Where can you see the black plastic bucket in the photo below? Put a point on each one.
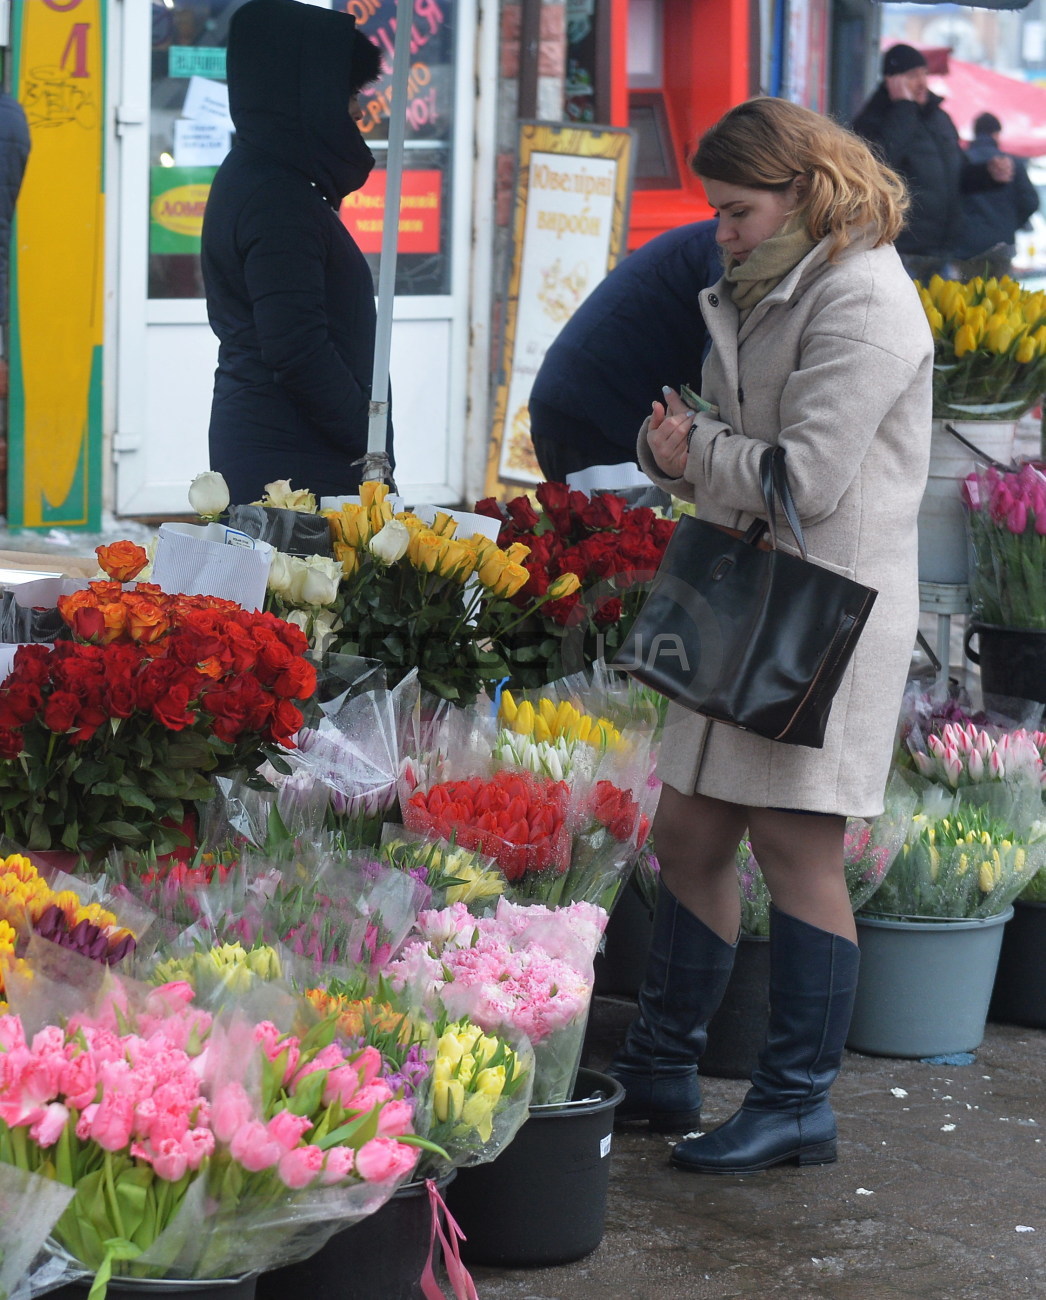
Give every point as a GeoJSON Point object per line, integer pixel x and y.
{"type": "Point", "coordinates": [1019, 992]}
{"type": "Point", "coordinates": [737, 1031]}
{"type": "Point", "coordinates": [543, 1201]}
{"type": "Point", "coordinates": [381, 1256]}
{"type": "Point", "coordinates": [1012, 660]}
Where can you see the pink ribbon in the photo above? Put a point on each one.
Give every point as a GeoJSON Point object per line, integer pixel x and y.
{"type": "Point", "coordinates": [460, 1278]}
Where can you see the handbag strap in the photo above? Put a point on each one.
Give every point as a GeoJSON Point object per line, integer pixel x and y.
{"type": "Point", "coordinates": [981, 455]}
{"type": "Point", "coordinates": [777, 494]}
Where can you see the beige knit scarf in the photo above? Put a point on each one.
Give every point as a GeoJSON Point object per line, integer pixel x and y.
{"type": "Point", "coordinates": [767, 264]}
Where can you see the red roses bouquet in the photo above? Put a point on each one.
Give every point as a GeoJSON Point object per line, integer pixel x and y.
{"type": "Point", "coordinates": [612, 548]}
{"type": "Point", "coordinates": [107, 738]}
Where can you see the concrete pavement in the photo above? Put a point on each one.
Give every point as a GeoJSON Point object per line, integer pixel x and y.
{"type": "Point", "coordinates": [939, 1194]}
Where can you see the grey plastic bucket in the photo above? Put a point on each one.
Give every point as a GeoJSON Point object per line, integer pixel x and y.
{"type": "Point", "coordinates": [924, 986]}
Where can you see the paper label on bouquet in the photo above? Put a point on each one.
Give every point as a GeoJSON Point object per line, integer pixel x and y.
{"type": "Point", "coordinates": [336, 503]}
{"type": "Point", "coordinates": [212, 560]}
{"type": "Point", "coordinates": [7, 659]}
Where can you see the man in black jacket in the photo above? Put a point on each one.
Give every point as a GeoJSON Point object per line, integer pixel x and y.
{"type": "Point", "coordinates": [990, 220]}
{"type": "Point", "coordinates": [917, 138]}
{"type": "Point", "coordinates": [639, 329]}
{"type": "Point", "coordinates": [289, 293]}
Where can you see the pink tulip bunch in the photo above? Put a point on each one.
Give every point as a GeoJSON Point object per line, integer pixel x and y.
{"type": "Point", "coordinates": [131, 1105]}
{"type": "Point", "coordinates": [969, 755]}
{"type": "Point", "coordinates": [1006, 519]}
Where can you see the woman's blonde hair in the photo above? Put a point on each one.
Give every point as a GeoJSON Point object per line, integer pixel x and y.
{"type": "Point", "coordinates": [766, 144]}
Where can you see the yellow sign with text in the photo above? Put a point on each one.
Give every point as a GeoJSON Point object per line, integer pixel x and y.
{"type": "Point", "coordinates": [58, 268]}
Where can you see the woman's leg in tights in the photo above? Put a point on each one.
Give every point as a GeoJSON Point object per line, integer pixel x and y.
{"type": "Point", "coordinates": [801, 857]}
{"type": "Point", "coordinates": [696, 839]}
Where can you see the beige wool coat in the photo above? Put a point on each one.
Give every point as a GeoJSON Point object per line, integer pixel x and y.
{"type": "Point", "coordinates": [834, 364]}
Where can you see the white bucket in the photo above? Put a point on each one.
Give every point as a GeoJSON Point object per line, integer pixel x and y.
{"type": "Point", "coordinates": [942, 528]}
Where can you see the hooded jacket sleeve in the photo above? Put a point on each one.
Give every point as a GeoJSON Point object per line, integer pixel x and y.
{"type": "Point", "coordinates": [285, 248]}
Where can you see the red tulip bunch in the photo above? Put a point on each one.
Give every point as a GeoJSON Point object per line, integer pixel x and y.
{"type": "Point", "coordinates": [517, 818]}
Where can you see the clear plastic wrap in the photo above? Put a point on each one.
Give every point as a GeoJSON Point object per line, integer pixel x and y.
{"type": "Point", "coordinates": [199, 1147]}
{"type": "Point", "coordinates": [30, 1205]}
{"type": "Point", "coordinates": [968, 852]}
{"type": "Point", "coordinates": [527, 970]}
{"type": "Point", "coordinates": [557, 794]}
{"type": "Point", "coordinates": [869, 850]}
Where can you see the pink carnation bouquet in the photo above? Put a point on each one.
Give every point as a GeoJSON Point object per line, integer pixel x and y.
{"type": "Point", "coordinates": [527, 970]}
{"type": "Point", "coordinates": [198, 1147]}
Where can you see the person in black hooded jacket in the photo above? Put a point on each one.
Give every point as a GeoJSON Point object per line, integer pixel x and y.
{"type": "Point", "coordinates": [905, 122]}
{"type": "Point", "coordinates": [289, 294]}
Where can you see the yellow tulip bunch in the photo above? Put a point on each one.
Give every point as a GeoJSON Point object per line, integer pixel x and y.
{"type": "Point", "coordinates": [964, 863]}
{"type": "Point", "coordinates": [989, 347]}
{"type": "Point", "coordinates": [229, 966]}
{"type": "Point", "coordinates": [473, 1074]}
{"type": "Point", "coordinates": [552, 722]}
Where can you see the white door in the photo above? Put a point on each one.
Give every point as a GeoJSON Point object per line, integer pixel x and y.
{"type": "Point", "coordinates": [169, 81]}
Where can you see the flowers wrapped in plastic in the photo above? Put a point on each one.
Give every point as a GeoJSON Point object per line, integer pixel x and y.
{"type": "Point", "coordinates": [197, 1146]}
{"type": "Point", "coordinates": [453, 874]}
{"type": "Point", "coordinates": [558, 796]}
{"type": "Point", "coordinates": [344, 770]}
{"type": "Point", "coordinates": [29, 905]}
{"type": "Point", "coordinates": [470, 1088]}
{"type": "Point", "coordinates": [968, 852]}
{"type": "Point", "coordinates": [1006, 524]}
{"type": "Point", "coordinates": [526, 970]}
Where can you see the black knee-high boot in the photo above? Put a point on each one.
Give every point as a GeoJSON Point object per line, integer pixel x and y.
{"type": "Point", "coordinates": [686, 976]}
{"type": "Point", "coordinates": [786, 1116]}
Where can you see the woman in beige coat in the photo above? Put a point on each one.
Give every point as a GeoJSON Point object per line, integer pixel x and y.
{"type": "Point", "coordinates": [820, 345]}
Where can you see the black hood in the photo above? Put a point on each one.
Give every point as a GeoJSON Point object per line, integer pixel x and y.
{"type": "Point", "coordinates": [290, 74]}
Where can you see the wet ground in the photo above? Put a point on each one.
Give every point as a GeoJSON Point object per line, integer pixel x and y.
{"type": "Point", "coordinates": [939, 1194]}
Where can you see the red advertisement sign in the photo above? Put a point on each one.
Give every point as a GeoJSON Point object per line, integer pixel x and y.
{"type": "Point", "coordinates": [363, 213]}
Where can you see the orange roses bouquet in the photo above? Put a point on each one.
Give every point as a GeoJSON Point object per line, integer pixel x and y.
{"type": "Point", "coordinates": [107, 738]}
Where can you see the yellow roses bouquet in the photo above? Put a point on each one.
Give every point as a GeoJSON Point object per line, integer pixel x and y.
{"type": "Point", "coordinates": [989, 347]}
{"type": "Point", "coordinates": [416, 595]}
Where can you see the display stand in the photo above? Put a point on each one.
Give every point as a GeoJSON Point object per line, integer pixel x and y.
{"type": "Point", "coordinates": [944, 600]}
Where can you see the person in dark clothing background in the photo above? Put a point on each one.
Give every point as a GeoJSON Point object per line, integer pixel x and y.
{"type": "Point", "coordinates": [990, 220]}
{"type": "Point", "coordinates": [289, 294]}
{"type": "Point", "coordinates": [638, 330]}
{"type": "Point", "coordinates": [14, 154]}
{"type": "Point", "coordinates": [904, 120]}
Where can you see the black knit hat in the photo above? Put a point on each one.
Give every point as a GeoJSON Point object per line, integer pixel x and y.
{"type": "Point", "coordinates": [902, 58]}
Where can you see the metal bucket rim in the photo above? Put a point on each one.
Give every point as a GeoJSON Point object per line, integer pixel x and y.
{"type": "Point", "coordinates": [583, 1105]}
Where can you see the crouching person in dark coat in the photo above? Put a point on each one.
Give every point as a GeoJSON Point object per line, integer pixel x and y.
{"type": "Point", "coordinates": [289, 294]}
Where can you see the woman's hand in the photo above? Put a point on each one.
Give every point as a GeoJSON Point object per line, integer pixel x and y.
{"type": "Point", "coordinates": [668, 431]}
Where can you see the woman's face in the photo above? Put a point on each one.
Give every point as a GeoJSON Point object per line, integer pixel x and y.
{"type": "Point", "coordinates": [747, 216]}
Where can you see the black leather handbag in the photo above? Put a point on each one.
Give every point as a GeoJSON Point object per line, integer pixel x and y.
{"type": "Point", "coordinates": [742, 632]}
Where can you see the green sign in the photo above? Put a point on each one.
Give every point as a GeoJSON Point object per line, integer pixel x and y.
{"type": "Point", "coordinates": [177, 198]}
{"type": "Point", "coordinates": [196, 61]}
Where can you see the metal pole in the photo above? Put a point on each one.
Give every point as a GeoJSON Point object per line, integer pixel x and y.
{"type": "Point", "coordinates": [379, 404]}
